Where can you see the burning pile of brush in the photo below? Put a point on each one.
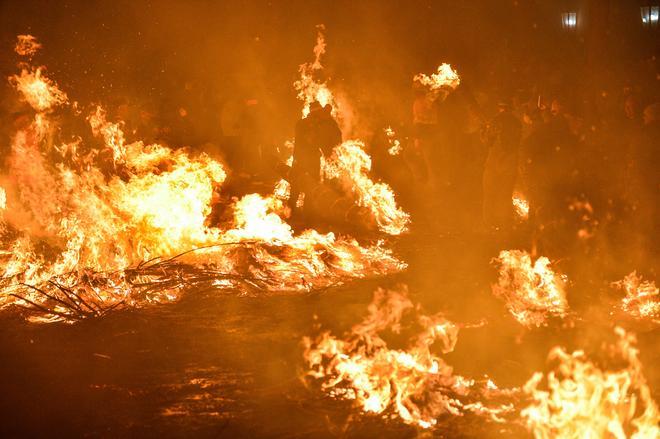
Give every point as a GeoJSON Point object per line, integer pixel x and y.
{"type": "Point", "coordinates": [86, 230]}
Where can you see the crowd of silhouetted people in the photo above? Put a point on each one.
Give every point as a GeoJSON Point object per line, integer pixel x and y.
{"type": "Point", "coordinates": [582, 161]}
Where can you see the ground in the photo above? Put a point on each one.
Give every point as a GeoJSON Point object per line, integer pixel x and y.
{"type": "Point", "coordinates": [212, 366]}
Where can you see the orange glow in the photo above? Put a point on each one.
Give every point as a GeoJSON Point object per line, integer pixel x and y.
{"type": "Point", "coordinates": [350, 164]}
{"type": "Point", "coordinates": [584, 401]}
{"type": "Point", "coordinates": [532, 291]}
{"type": "Point", "coordinates": [520, 206]}
{"type": "Point", "coordinates": [101, 223]}
{"type": "Point", "coordinates": [414, 383]}
{"type": "Point", "coordinates": [642, 299]}
{"type": "Point", "coordinates": [445, 77]}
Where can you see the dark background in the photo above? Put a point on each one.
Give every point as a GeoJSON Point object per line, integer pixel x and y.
{"type": "Point", "coordinates": [200, 54]}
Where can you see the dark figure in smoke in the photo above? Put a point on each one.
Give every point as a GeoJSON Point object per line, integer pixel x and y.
{"type": "Point", "coordinates": [503, 141]}
{"type": "Point", "coordinates": [316, 134]}
{"type": "Point", "coordinates": [550, 161]}
{"type": "Point", "coordinates": [645, 181]}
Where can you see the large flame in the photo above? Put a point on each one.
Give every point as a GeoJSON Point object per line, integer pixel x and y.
{"type": "Point", "coordinates": [37, 90]}
{"type": "Point", "coordinates": [311, 89]}
{"type": "Point", "coordinates": [414, 383]}
{"type": "Point", "coordinates": [350, 164]}
{"type": "Point", "coordinates": [445, 77]}
{"type": "Point", "coordinates": [532, 291]}
{"type": "Point", "coordinates": [582, 400]}
{"type": "Point", "coordinates": [81, 220]}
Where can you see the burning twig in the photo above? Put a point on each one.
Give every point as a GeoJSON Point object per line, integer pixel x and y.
{"type": "Point", "coordinates": [532, 291]}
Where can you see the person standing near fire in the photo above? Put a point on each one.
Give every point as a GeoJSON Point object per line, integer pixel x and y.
{"type": "Point", "coordinates": [316, 135]}
{"type": "Point", "coordinates": [503, 140]}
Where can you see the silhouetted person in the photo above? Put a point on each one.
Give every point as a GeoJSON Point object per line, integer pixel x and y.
{"type": "Point", "coordinates": [551, 152]}
{"type": "Point", "coordinates": [503, 141]}
{"type": "Point", "coordinates": [425, 131]}
{"type": "Point", "coordinates": [253, 141]}
{"type": "Point", "coordinates": [646, 178]}
{"type": "Point", "coordinates": [316, 134]}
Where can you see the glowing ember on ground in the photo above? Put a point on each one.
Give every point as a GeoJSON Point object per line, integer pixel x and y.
{"type": "Point", "coordinates": [582, 400]}
{"type": "Point", "coordinates": [413, 383]}
{"type": "Point", "coordinates": [642, 300]}
{"type": "Point", "coordinates": [349, 162]}
{"type": "Point", "coordinates": [532, 291]}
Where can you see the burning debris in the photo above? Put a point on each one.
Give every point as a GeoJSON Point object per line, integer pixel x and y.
{"type": "Point", "coordinates": [444, 78]}
{"type": "Point", "coordinates": [412, 383]}
{"type": "Point", "coordinates": [395, 146]}
{"type": "Point", "coordinates": [309, 88]}
{"type": "Point", "coordinates": [27, 45]}
{"type": "Point", "coordinates": [93, 220]}
{"type": "Point", "coordinates": [520, 206]}
{"type": "Point", "coordinates": [642, 300]}
{"type": "Point", "coordinates": [585, 400]}
{"type": "Point", "coordinates": [349, 163]}
{"type": "Point", "coordinates": [103, 212]}
{"type": "Point", "coordinates": [532, 291]}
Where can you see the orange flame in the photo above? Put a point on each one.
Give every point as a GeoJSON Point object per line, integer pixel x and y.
{"type": "Point", "coordinates": [532, 291]}
{"type": "Point", "coordinates": [642, 300]}
{"type": "Point", "coordinates": [37, 90]}
{"type": "Point", "coordinates": [309, 89]}
{"type": "Point", "coordinates": [414, 383]}
{"type": "Point", "coordinates": [100, 219]}
{"type": "Point", "coordinates": [520, 206]}
{"type": "Point", "coordinates": [445, 77]}
{"type": "Point", "coordinates": [27, 45]}
{"type": "Point", "coordinates": [584, 401]}
{"type": "Point", "coordinates": [350, 164]}
{"type": "Point", "coordinates": [395, 146]}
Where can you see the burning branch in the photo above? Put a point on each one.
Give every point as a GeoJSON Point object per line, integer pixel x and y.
{"type": "Point", "coordinates": [532, 291]}
{"type": "Point", "coordinates": [413, 383]}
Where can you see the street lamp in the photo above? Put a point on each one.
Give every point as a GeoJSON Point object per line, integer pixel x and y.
{"type": "Point", "coordinates": [650, 15]}
{"type": "Point", "coordinates": [569, 20]}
